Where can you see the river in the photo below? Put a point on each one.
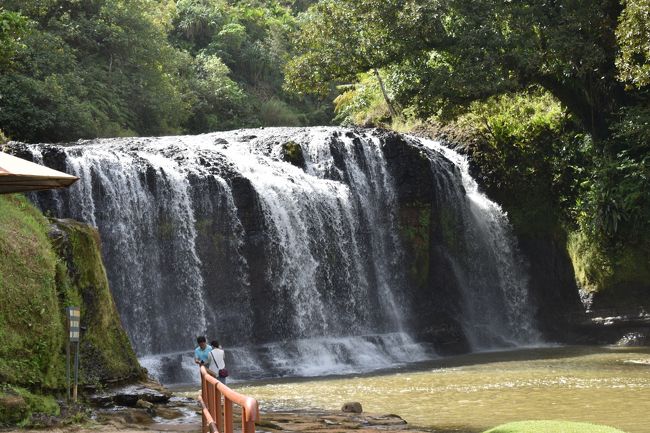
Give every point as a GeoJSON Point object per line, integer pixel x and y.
{"type": "Point", "coordinates": [601, 385]}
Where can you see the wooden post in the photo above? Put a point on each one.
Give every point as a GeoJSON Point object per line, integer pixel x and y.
{"type": "Point", "coordinates": [204, 398]}
{"type": "Point", "coordinates": [67, 368]}
{"type": "Point", "coordinates": [76, 372]}
{"type": "Point", "coordinates": [227, 412]}
{"type": "Point", "coordinates": [212, 403]}
{"type": "Point", "coordinates": [219, 419]}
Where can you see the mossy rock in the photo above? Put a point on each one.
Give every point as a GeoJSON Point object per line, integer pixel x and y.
{"type": "Point", "coordinates": [19, 406]}
{"type": "Point", "coordinates": [44, 268]}
{"type": "Point", "coordinates": [292, 153]}
{"type": "Point", "coordinates": [13, 408]}
{"type": "Point", "coordinates": [414, 227]}
{"type": "Point", "coordinates": [106, 353]}
{"type": "Point", "coordinates": [552, 427]}
{"type": "Point", "coordinates": [619, 278]}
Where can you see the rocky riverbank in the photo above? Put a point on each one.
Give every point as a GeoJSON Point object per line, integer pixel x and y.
{"type": "Point", "coordinates": [181, 414]}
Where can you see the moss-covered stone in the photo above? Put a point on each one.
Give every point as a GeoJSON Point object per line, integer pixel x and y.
{"type": "Point", "coordinates": [415, 227]}
{"type": "Point", "coordinates": [13, 407]}
{"type": "Point", "coordinates": [450, 229]}
{"type": "Point", "coordinates": [292, 153]}
{"type": "Point", "coordinates": [618, 279]}
{"type": "Point", "coordinates": [18, 406]}
{"type": "Point", "coordinates": [106, 354]}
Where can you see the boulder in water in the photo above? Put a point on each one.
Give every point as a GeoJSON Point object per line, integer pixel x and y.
{"type": "Point", "coordinates": [352, 407]}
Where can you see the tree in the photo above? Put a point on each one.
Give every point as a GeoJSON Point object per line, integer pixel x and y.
{"type": "Point", "coordinates": [93, 68]}
{"type": "Point", "coordinates": [633, 34]}
{"type": "Point", "coordinates": [456, 51]}
{"type": "Point", "coordinates": [13, 27]}
{"type": "Point", "coordinates": [252, 41]}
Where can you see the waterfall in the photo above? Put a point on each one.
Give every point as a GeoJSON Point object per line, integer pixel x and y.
{"type": "Point", "coordinates": [297, 265]}
{"type": "Point", "coordinates": [147, 226]}
{"type": "Point", "coordinates": [492, 275]}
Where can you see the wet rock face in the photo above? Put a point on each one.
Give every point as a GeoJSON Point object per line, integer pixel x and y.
{"type": "Point", "coordinates": [292, 153]}
{"type": "Point", "coordinates": [434, 293]}
{"type": "Point", "coordinates": [106, 355]}
{"type": "Point", "coordinates": [553, 288]}
{"type": "Point", "coordinates": [410, 168]}
{"type": "Point", "coordinates": [427, 226]}
{"type": "Point", "coordinates": [255, 250]}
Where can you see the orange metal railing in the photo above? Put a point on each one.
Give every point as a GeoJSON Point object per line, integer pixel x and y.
{"type": "Point", "coordinates": [217, 406]}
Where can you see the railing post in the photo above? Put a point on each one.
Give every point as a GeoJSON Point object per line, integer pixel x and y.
{"type": "Point", "coordinates": [217, 414]}
{"type": "Point", "coordinates": [228, 415]}
{"type": "Point", "coordinates": [247, 426]}
{"type": "Point", "coordinates": [212, 404]}
{"type": "Point", "coordinates": [219, 417]}
{"type": "Point", "coordinates": [204, 396]}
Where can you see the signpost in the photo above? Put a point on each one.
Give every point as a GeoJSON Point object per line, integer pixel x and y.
{"type": "Point", "coordinates": [74, 316]}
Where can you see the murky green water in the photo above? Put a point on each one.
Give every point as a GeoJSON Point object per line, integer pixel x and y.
{"type": "Point", "coordinates": [609, 386]}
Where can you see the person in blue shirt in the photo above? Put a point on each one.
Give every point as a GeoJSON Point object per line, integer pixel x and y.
{"type": "Point", "coordinates": [202, 352]}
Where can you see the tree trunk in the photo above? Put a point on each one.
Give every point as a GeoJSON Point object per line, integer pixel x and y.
{"type": "Point", "coordinates": [391, 108]}
{"type": "Point", "coordinates": [583, 102]}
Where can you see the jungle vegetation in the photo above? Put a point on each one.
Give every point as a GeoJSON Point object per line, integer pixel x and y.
{"type": "Point", "coordinates": [98, 68]}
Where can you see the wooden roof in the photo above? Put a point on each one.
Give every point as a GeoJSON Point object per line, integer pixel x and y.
{"type": "Point", "coordinates": [19, 175]}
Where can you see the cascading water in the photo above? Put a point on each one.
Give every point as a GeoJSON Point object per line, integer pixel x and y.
{"type": "Point", "coordinates": [494, 283]}
{"type": "Point", "coordinates": [285, 243]}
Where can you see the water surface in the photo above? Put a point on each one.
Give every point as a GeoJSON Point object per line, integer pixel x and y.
{"type": "Point", "coordinates": [471, 393]}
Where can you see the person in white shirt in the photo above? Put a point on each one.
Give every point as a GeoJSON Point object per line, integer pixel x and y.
{"type": "Point", "coordinates": [217, 361]}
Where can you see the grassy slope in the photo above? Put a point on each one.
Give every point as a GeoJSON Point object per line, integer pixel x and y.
{"type": "Point", "coordinates": [31, 326]}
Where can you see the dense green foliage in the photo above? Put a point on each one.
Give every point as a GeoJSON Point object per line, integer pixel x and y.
{"type": "Point", "coordinates": [552, 96]}
{"type": "Point", "coordinates": [97, 68]}
{"type": "Point", "coordinates": [362, 103]}
{"type": "Point", "coordinates": [12, 27]}
{"type": "Point", "coordinates": [37, 281]}
{"type": "Point", "coordinates": [633, 34]}
{"type": "Point", "coordinates": [524, 165]}
{"type": "Point", "coordinates": [441, 55]}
